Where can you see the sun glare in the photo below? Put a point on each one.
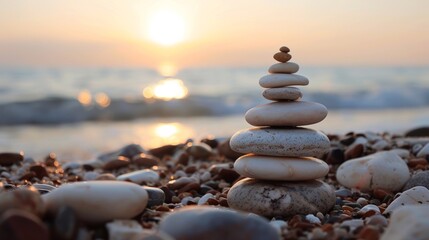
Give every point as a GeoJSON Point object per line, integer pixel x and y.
{"type": "Point", "coordinates": [166, 27]}
{"type": "Point", "coordinates": [168, 89]}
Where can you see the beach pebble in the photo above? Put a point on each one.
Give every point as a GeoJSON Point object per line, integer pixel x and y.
{"type": "Point", "coordinates": [312, 219]}
{"type": "Point", "coordinates": [156, 196]}
{"type": "Point", "coordinates": [204, 198]}
{"type": "Point", "coordinates": [145, 160]}
{"type": "Point", "coordinates": [198, 150]}
{"type": "Point", "coordinates": [224, 149]}
{"type": "Point", "coordinates": [415, 196]}
{"type": "Point", "coordinates": [18, 224]}
{"type": "Point", "coordinates": [24, 199]}
{"type": "Point", "coordinates": [147, 176]}
{"type": "Point", "coordinates": [124, 229]}
{"type": "Point", "coordinates": [287, 67]}
{"type": "Point", "coordinates": [278, 225]}
{"type": "Point", "coordinates": [424, 151]}
{"type": "Point", "coordinates": [419, 179]}
{"type": "Point", "coordinates": [335, 156]}
{"type": "Point", "coordinates": [408, 222]}
{"type": "Point", "coordinates": [293, 113]}
{"type": "Point", "coordinates": [282, 57]}
{"type": "Point", "coordinates": [403, 153]}
{"type": "Point", "coordinates": [380, 145]}
{"type": "Point", "coordinates": [279, 198]}
{"type": "Point", "coordinates": [384, 170]}
{"type": "Point", "coordinates": [292, 142]}
{"type": "Point", "coordinates": [8, 158]}
{"type": "Point", "coordinates": [369, 207]}
{"type": "Point", "coordinates": [212, 223]}
{"type": "Point", "coordinates": [128, 151]}
{"type": "Point", "coordinates": [280, 168]}
{"type": "Point", "coordinates": [282, 93]}
{"type": "Point", "coordinates": [99, 201]}
{"type": "Point", "coordinates": [181, 182]}
{"type": "Point", "coordinates": [376, 220]}
{"type": "Point", "coordinates": [282, 80]}
{"type": "Point", "coordinates": [116, 163]}
{"type": "Point", "coordinates": [284, 49]}
{"type": "Point", "coordinates": [65, 224]}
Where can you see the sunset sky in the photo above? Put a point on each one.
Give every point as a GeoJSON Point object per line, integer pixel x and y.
{"type": "Point", "coordinates": [212, 33]}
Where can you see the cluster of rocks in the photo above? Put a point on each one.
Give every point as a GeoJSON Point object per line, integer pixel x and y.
{"type": "Point", "coordinates": [280, 156]}
{"type": "Point", "coordinates": [55, 199]}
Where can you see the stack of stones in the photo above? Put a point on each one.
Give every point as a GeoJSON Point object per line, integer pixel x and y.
{"type": "Point", "coordinates": [281, 164]}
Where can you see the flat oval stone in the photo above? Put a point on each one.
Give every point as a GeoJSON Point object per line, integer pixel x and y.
{"type": "Point", "coordinates": [279, 198]}
{"type": "Point", "coordinates": [212, 223]}
{"type": "Point", "coordinates": [99, 201]}
{"type": "Point", "coordinates": [287, 67]}
{"type": "Point", "coordinates": [291, 142]}
{"type": "Point", "coordinates": [280, 168]}
{"type": "Point", "coordinates": [282, 57]}
{"type": "Point", "coordinates": [282, 93]}
{"type": "Point", "coordinates": [282, 80]}
{"type": "Point", "coordinates": [8, 158]}
{"type": "Point", "coordinates": [282, 114]}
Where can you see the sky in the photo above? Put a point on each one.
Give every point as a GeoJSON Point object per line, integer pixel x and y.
{"type": "Point", "coordinates": [213, 33]}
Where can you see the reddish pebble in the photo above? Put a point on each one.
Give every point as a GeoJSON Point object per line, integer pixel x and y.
{"type": "Point", "coordinates": [282, 57]}
{"type": "Point", "coordinates": [354, 151]}
{"type": "Point", "coordinates": [369, 233]}
{"type": "Point", "coordinates": [22, 225]}
{"type": "Point", "coordinates": [284, 49]}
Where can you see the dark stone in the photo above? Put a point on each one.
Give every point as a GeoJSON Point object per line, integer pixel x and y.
{"type": "Point", "coordinates": [224, 149]}
{"type": "Point", "coordinates": [335, 156]}
{"type": "Point", "coordinates": [156, 196]}
{"type": "Point", "coordinates": [343, 192]}
{"type": "Point", "coordinates": [167, 150]}
{"type": "Point", "coordinates": [348, 140]}
{"type": "Point", "coordinates": [116, 163]}
{"type": "Point", "coordinates": [66, 225]}
{"type": "Point", "coordinates": [16, 224]}
{"type": "Point", "coordinates": [199, 151]}
{"type": "Point", "coordinates": [8, 159]}
{"type": "Point", "coordinates": [418, 132]}
{"type": "Point", "coordinates": [145, 160]}
{"type": "Point", "coordinates": [211, 142]}
{"type": "Point", "coordinates": [167, 193]}
{"type": "Point", "coordinates": [39, 171]}
{"type": "Point", "coordinates": [419, 179]}
{"type": "Point", "coordinates": [354, 151]}
{"type": "Point", "coordinates": [211, 223]}
{"type": "Point", "coordinates": [229, 175]}
{"type": "Point", "coordinates": [128, 151]}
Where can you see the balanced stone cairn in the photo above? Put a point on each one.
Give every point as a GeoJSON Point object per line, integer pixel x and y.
{"type": "Point", "coordinates": [281, 165]}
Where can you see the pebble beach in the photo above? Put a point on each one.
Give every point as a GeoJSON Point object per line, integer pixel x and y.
{"type": "Point", "coordinates": [180, 192]}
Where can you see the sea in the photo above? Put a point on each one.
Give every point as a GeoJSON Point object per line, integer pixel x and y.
{"type": "Point", "coordinates": [79, 113]}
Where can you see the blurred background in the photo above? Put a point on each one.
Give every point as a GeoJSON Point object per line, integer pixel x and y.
{"type": "Point", "coordinates": [83, 77]}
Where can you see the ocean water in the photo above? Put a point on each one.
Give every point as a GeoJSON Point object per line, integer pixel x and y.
{"type": "Point", "coordinates": [79, 113]}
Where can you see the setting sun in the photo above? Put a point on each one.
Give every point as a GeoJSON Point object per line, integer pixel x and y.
{"type": "Point", "coordinates": [166, 27]}
{"type": "Point", "coordinates": [167, 89]}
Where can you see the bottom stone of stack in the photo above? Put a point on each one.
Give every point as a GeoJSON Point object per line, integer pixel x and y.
{"type": "Point", "coordinates": [281, 198]}
{"type": "Point", "coordinates": [280, 168]}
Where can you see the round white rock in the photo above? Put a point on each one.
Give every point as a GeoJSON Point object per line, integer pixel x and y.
{"type": "Point", "coordinates": [282, 80]}
{"type": "Point", "coordinates": [99, 201]}
{"type": "Point", "coordinates": [296, 113]}
{"type": "Point", "coordinates": [287, 67]}
{"type": "Point", "coordinates": [291, 142]}
{"type": "Point", "coordinates": [280, 168]}
{"type": "Point", "coordinates": [384, 170]}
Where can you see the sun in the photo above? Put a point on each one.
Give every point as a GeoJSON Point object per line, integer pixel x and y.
{"type": "Point", "coordinates": [166, 27]}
